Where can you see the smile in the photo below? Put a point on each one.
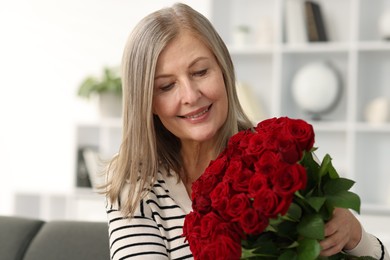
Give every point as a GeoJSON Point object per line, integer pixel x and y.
{"type": "Point", "coordinates": [199, 114]}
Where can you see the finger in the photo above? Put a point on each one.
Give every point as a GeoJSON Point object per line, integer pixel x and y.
{"type": "Point", "coordinates": [331, 251]}
{"type": "Point", "coordinates": [333, 244]}
{"type": "Point", "coordinates": [327, 244]}
{"type": "Point", "coordinates": [330, 228]}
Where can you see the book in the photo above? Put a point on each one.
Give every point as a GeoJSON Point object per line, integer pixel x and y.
{"type": "Point", "coordinates": [295, 22]}
{"type": "Point", "coordinates": [316, 30]}
{"type": "Point", "coordinates": [94, 164]}
{"type": "Point", "coordinates": [82, 175]}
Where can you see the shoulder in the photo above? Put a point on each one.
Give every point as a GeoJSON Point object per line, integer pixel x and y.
{"type": "Point", "coordinates": [157, 190]}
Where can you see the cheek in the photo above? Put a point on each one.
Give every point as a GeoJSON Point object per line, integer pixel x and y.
{"type": "Point", "coordinates": [217, 91]}
{"type": "Point", "coordinates": [163, 107]}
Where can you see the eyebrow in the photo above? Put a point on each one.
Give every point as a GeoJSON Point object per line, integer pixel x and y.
{"type": "Point", "coordinates": [191, 64]}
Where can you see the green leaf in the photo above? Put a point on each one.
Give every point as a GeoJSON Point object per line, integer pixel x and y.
{"type": "Point", "coordinates": [288, 255]}
{"type": "Point", "coordinates": [335, 186]}
{"type": "Point", "coordinates": [312, 168]}
{"type": "Point", "coordinates": [287, 229]}
{"type": "Point", "coordinates": [332, 172]}
{"type": "Point", "coordinates": [326, 163]}
{"type": "Point", "coordinates": [311, 226]}
{"type": "Point", "coordinates": [344, 199]}
{"type": "Point", "coordinates": [326, 212]}
{"type": "Point", "coordinates": [316, 202]}
{"type": "Point", "coordinates": [110, 81]}
{"type": "Point", "coordinates": [294, 212]}
{"type": "Point", "coordinates": [308, 249]}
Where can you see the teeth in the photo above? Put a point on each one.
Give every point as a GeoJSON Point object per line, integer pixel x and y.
{"type": "Point", "coordinates": [198, 115]}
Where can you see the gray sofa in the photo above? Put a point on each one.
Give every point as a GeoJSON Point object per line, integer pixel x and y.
{"type": "Point", "coordinates": [32, 239]}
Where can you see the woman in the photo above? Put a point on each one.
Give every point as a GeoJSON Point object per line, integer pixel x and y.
{"type": "Point", "coordinates": [180, 108]}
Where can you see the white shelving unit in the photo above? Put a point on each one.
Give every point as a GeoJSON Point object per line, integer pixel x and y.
{"type": "Point", "coordinates": [360, 150]}
{"type": "Point", "coordinates": [103, 134]}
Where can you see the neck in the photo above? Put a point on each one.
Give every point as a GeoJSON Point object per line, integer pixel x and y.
{"type": "Point", "coordinates": [196, 157]}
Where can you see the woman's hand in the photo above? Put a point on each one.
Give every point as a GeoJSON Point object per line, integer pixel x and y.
{"type": "Point", "coordinates": [343, 231]}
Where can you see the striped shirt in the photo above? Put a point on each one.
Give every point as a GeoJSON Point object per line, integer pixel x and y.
{"type": "Point", "coordinates": [155, 231]}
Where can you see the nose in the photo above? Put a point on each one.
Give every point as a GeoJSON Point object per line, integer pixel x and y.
{"type": "Point", "coordinates": [189, 91]}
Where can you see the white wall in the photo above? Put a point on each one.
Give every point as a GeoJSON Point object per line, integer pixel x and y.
{"type": "Point", "coordinates": [46, 48]}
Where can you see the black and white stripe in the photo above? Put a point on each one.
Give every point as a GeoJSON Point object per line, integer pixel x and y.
{"type": "Point", "coordinates": [154, 232]}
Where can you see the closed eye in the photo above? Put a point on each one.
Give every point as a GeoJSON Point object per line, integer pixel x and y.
{"type": "Point", "coordinates": [167, 87]}
{"type": "Point", "coordinates": [200, 73]}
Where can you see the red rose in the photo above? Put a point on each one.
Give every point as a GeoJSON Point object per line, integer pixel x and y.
{"type": "Point", "coordinates": [269, 204]}
{"type": "Point", "coordinates": [216, 168]}
{"type": "Point", "coordinates": [241, 180]}
{"type": "Point", "coordinates": [230, 229]}
{"type": "Point", "coordinates": [257, 183]}
{"type": "Point", "coordinates": [236, 139]}
{"type": "Point", "coordinates": [234, 168]}
{"type": "Point", "coordinates": [253, 223]}
{"type": "Point", "coordinates": [289, 151]}
{"type": "Point", "coordinates": [268, 163]}
{"type": "Point", "coordinates": [208, 224]}
{"type": "Point", "coordinates": [238, 143]}
{"type": "Point", "coordinates": [237, 204]}
{"type": "Point", "coordinates": [191, 226]}
{"type": "Point", "coordinates": [201, 203]}
{"type": "Point", "coordinates": [222, 248]}
{"type": "Point", "coordinates": [271, 141]}
{"type": "Point", "coordinates": [289, 179]}
{"type": "Point", "coordinates": [219, 196]}
{"type": "Point", "coordinates": [191, 231]}
{"type": "Point", "coordinates": [207, 181]}
{"type": "Point", "coordinates": [302, 132]}
{"type": "Point", "coordinates": [255, 145]}
{"type": "Point", "coordinates": [265, 125]}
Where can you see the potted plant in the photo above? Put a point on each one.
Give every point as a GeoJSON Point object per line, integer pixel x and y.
{"type": "Point", "coordinates": [108, 88]}
{"type": "Point", "coordinates": [241, 35]}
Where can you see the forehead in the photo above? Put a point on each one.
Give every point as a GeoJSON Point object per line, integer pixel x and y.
{"type": "Point", "coordinates": [183, 49]}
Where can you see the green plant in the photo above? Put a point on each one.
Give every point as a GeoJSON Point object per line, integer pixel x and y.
{"type": "Point", "coordinates": [109, 82]}
{"type": "Point", "coordinates": [243, 28]}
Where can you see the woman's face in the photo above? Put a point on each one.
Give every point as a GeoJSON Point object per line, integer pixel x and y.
{"type": "Point", "coordinates": [189, 91]}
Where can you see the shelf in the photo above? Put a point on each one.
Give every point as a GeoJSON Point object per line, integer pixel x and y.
{"type": "Point", "coordinates": [319, 47]}
{"type": "Point", "coordinates": [362, 60]}
{"type": "Point", "coordinates": [373, 46]}
{"type": "Point", "coordinates": [329, 126]}
{"type": "Point", "coordinates": [373, 127]}
{"type": "Point", "coordinates": [251, 50]}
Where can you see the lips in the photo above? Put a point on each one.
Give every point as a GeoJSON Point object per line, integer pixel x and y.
{"type": "Point", "coordinates": [197, 113]}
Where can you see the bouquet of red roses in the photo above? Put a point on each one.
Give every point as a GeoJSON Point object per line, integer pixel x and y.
{"type": "Point", "coordinates": [266, 197]}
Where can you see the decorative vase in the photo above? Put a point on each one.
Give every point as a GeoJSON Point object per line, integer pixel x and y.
{"type": "Point", "coordinates": [384, 25]}
{"type": "Point", "coordinates": [377, 110]}
{"type": "Point", "coordinates": [241, 35]}
{"type": "Point", "coordinates": [110, 105]}
{"type": "Point", "coordinates": [316, 88]}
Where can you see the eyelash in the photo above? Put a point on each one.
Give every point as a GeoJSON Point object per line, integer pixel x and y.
{"type": "Point", "coordinates": [167, 87]}
{"type": "Point", "coordinates": [199, 73]}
